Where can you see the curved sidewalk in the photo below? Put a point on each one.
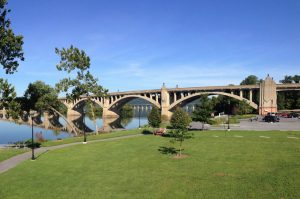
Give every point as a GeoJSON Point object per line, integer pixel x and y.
{"type": "Point", "coordinates": [14, 161]}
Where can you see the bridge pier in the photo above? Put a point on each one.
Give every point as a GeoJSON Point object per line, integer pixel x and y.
{"type": "Point", "coordinates": [268, 96]}
{"type": "Point", "coordinates": [165, 103]}
{"type": "Point", "coordinates": [46, 122]}
{"type": "Point", "coordinates": [106, 112]}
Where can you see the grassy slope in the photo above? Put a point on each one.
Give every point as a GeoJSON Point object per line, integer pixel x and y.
{"type": "Point", "coordinates": [217, 167]}
{"type": "Point", "coordinates": [7, 153]}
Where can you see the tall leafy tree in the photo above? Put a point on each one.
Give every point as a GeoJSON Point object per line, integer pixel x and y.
{"type": "Point", "coordinates": [180, 121]}
{"type": "Point", "coordinates": [250, 80]}
{"type": "Point", "coordinates": [75, 61]}
{"type": "Point", "coordinates": [154, 117]}
{"type": "Point", "coordinates": [8, 99]}
{"type": "Point", "coordinates": [289, 99]}
{"type": "Point", "coordinates": [287, 79]}
{"type": "Point", "coordinates": [40, 97]}
{"type": "Point", "coordinates": [203, 110]}
{"type": "Point", "coordinates": [10, 44]}
{"type": "Point", "coordinates": [243, 108]}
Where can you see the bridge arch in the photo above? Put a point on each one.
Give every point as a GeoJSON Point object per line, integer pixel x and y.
{"type": "Point", "coordinates": [123, 100]}
{"type": "Point", "coordinates": [81, 100]}
{"type": "Point", "coordinates": [252, 104]}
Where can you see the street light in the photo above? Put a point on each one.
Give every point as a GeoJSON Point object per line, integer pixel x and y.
{"type": "Point", "coordinates": [84, 135]}
{"type": "Point", "coordinates": [139, 116]}
{"type": "Point", "coordinates": [32, 113]}
{"type": "Point", "coordinates": [228, 127]}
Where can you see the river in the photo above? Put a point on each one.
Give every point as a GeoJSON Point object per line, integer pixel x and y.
{"type": "Point", "coordinates": [11, 132]}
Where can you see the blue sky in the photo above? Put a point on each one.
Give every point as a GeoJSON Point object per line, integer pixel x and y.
{"type": "Point", "coordinates": [139, 44]}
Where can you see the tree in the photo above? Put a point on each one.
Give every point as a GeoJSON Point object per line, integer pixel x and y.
{"type": "Point", "coordinates": [10, 44]}
{"type": "Point", "coordinates": [40, 97]}
{"type": "Point", "coordinates": [289, 99]}
{"type": "Point", "coordinates": [126, 111]}
{"type": "Point", "coordinates": [73, 60]}
{"type": "Point", "coordinates": [287, 79]}
{"type": "Point", "coordinates": [243, 108]}
{"type": "Point", "coordinates": [203, 110]}
{"type": "Point", "coordinates": [250, 80]}
{"type": "Point", "coordinates": [154, 117]}
{"type": "Point", "coordinates": [8, 99]}
{"type": "Point", "coordinates": [180, 121]}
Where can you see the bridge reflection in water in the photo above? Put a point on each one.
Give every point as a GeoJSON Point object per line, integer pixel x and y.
{"type": "Point", "coordinates": [11, 131]}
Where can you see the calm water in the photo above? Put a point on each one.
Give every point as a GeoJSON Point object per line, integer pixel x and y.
{"type": "Point", "coordinates": [11, 132]}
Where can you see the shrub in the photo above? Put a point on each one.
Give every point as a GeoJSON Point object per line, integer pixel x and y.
{"type": "Point", "coordinates": [154, 118]}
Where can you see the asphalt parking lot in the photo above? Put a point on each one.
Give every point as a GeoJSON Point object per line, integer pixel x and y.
{"type": "Point", "coordinates": [285, 124]}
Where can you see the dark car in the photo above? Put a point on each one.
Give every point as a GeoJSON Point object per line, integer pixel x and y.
{"type": "Point", "coordinates": [271, 118]}
{"type": "Point", "coordinates": [293, 115]}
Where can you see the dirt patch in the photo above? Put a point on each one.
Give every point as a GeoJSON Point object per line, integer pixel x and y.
{"type": "Point", "coordinates": [180, 157]}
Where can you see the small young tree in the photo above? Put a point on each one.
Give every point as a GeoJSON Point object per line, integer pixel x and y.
{"type": "Point", "coordinates": [180, 121]}
{"type": "Point", "coordinates": [203, 111]}
{"type": "Point", "coordinates": [154, 117]}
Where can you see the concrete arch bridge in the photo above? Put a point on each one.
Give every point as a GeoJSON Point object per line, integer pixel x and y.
{"type": "Point", "coordinates": [166, 99]}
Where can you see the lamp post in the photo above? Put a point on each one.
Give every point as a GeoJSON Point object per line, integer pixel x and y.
{"type": "Point", "coordinates": [32, 139]}
{"type": "Point", "coordinates": [139, 116]}
{"type": "Point", "coordinates": [84, 135]}
{"type": "Point", "coordinates": [228, 127]}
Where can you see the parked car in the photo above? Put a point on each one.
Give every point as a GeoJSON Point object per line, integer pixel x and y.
{"type": "Point", "coordinates": [271, 118]}
{"type": "Point", "coordinates": [285, 115]}
{"type": "Point", "coordinates": [293, 115]}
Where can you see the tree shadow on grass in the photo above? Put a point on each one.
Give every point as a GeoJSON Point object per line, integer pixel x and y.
{"type": "Point", "coordinates": [167, 150]}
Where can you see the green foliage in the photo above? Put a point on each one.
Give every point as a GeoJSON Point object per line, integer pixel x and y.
{"type": "Point", "coordinates": [154, 117]}
{"type": "Point", "coordinates": [250, 80]}
{"type": "Point", "coordinates": [125, 121]}
{"type": "Point", "coordinates": [180, 121]}
{"type": "Point", "coordinates": [31, 145]}
{"type": "Point", "coordinates": [203, 110]}
{"type": "Point", "coordinates": [288, 79]}
{"type": "Point", "coordinates": [8, 99]}
{"type": "Point", "coordinates": [126, 111]}
{"type": "Point", "coordinates": [14, 110]}
{"type": "Point", "coordinates": [10, 44]}
{"type": "Point", "coordinates": [289, 99]}
{"type": "Point", "coordinates": [76, 61]}
{"type": "Point", "coordinates": [73, 60]}
{"type": "Point", "coordinates": [7, 93]}
{"type": "Point", "coordinates": [243, 108]}
{"type": "Point", "coordinates": [41, 96]}
{"type": "Point", "coordinates": [93, 110]}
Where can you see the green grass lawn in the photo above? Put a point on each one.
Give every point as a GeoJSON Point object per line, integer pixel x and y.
{"type": "Point", "coordinates": [216, 167]}
{"type": "Point", "coordinates": [9, 152]}
{"type": "Point", "coordinates": [91, 137]}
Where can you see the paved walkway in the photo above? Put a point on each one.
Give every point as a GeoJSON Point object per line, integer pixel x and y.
{"type": "Point", "coordinates": [285, 124]}
{"type": "Point", "coordinates": [14, 161]}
